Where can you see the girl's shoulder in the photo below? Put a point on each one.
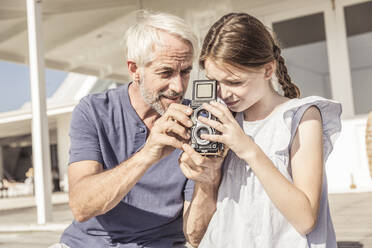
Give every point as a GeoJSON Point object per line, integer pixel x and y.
{"type": "Point", "coordinates": [324, 105]}
{"type": "Point", "coordinates": [330, 112]}
{"type": "Point", "coordinates": [283, 123]}
{"type": "Point", "coordinates": [294, 109]}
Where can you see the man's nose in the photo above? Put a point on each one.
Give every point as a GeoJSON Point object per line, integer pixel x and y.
{"type": "Point", "coordinates": [177, 85]}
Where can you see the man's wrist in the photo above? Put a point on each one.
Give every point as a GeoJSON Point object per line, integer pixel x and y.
{"type": "Point", "coordinates": [209, 186]}
{"type": "Point", "coordinates": [206, 191]}
{"type": "Point", "coordinates": [144, 159]}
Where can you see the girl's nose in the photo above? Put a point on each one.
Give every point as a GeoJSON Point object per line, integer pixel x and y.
{"type": "Point", "coordinates": [223, 91]}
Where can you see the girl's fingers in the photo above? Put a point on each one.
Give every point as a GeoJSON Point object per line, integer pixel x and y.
{"type": "Point", "coordinates": [216, 112]}
{"type": "Point", "coordinates": [213, 138]}
{"type": "Point", "coordinates": [224, 109]}
{"type": "Point", "coordinates": [220, 106]}
{"type": "Point", "coordinates": [212, 123]}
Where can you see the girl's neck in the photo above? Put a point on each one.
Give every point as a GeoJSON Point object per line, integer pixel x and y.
{"type": "Point", "coordinates": [264, 107]}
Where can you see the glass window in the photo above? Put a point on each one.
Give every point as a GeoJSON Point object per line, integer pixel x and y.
{"type": "Point", "coordinates": [15, 84]}
{"type": "Point", "coordinates": [358, 19]}
{"type": "Point", "coordinates": [304, 49]}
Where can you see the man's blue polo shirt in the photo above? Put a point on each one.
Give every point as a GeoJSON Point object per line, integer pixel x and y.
{"type": "Point", "coordinates": [106, 128]}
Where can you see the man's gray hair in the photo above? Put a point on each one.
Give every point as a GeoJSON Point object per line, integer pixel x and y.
{"type": "Point", "coordinates": [142, 36]}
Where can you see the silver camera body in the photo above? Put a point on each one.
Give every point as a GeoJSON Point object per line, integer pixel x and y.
{"type": "Point", "coordinates": [203, 91]}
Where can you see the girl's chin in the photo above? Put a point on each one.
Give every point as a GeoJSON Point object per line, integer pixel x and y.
{"type": "Point", "coordinates": [235, 108]}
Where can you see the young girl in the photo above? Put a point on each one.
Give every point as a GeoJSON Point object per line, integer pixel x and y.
{"type": "Point", "coordinates": [273, 191]}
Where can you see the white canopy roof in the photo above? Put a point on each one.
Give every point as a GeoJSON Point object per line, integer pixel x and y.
{"type": "Point", "coordinates": [74, 87]}
{"type": "Point", "coordinates": [85, 36]}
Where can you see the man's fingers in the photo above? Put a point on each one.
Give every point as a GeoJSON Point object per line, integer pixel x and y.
{"type": "Point", "coordinates": [178, 117]}
{"type": "Point", "coordinates": [169, 141]}
{"type": "Point", "coordinates": [225, 151]}
{"type": "Point", "coordinates": [180, 107]}
{"type": "Point", "coordinates": [174, 127]}
{"type": "Point", "coordinates": [196, 174]}
{"type": "Point", "coordinates": [194, 156]}
{"type": "Point", "coordinates": [188, 171]}
{"type": "Point", "coordinates": [184, 157]}
{"type": "Point", "coordinates": [179, 113]}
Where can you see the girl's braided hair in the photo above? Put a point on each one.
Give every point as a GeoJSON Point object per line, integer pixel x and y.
{"type": "Point", "coordinates": [241, 39]}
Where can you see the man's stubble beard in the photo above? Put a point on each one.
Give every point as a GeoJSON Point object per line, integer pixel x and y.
{"type": "Point", "coordinates": [154, 100]}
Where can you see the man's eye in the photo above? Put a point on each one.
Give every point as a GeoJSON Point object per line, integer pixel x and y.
{"type": "Point", "coordinates": [185, 72]}
{"type": "Point", "coordinates": [166, 73]}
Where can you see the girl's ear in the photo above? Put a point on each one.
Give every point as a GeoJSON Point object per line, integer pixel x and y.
{"type": "Point", "coordinates": [133, 70]}
{"type": "Point", "coordinates": [269, 70]}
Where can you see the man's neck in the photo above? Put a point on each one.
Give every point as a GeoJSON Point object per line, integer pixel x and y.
{"type": "Point", "coordinates": [147, 114]}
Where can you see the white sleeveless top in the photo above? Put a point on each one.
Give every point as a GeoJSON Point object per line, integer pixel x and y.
{"type": "Point", "coordinates": [245, 216]}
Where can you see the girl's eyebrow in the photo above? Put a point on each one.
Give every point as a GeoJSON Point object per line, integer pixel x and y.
{"type": "Point", "coordinates": [231, 79]}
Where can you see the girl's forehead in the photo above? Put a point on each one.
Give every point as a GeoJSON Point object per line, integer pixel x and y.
{"type": "Point", "coordinates": [221, 70]}
{"type": "Point", "coordinates": [228, 71]}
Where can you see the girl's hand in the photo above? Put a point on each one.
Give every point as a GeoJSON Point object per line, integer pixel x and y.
{"type": "Point", "coordinates": [232, 135]}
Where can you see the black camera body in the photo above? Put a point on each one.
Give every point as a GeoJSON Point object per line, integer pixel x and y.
{"type": "Point", "coordinates": [203, 91]}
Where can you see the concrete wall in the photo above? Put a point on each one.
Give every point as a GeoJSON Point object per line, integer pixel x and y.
{"type": "Point", "coordinates": [347, 166]}
{"type": "Point", "coordinates": [362, 82]}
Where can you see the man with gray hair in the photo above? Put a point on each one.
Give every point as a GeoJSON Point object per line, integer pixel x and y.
{"type": "Point", "coordinates": [126, 186]}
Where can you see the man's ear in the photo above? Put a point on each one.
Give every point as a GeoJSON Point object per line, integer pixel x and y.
{"type": "Point", "coordinates": [133, 70]}
{"type": "Point", "coordinates": [269, 70]}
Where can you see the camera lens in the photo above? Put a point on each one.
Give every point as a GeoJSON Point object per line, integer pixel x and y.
{"type": "Point", "coordinates": [201, 131]}
{"type": "Point", "coordinates": [198, 131]}
{"type": "Point", "coordinates": [203, 113]}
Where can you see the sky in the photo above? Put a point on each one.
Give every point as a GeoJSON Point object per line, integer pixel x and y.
{"type": "Point", "coordinates": [15, 84]}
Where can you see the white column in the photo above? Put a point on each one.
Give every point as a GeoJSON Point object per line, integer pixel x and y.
{"type": "Point", "coordinates": [40, 134]}
{"type": "Point", "coordinates": [339, 60]}
{"type": "Point", "coordinates": [1, 163]}
{"type": "Point", "coordinates": [63, 145]}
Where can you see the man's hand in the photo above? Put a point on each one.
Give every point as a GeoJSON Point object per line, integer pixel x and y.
{"type": "Point", "coordinates": [206, 172]}
{"type": "Point", "coordinates": [199, 168]}
{"type": "Point", "coordinates": [170, 131]}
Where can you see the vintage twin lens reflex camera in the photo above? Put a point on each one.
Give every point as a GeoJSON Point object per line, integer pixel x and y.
{"type": "Point", "coordinates": [203, 91]}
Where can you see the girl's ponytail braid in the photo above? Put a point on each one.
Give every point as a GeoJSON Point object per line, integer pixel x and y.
{"type": "Point", "coordinates": [290, 89]}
